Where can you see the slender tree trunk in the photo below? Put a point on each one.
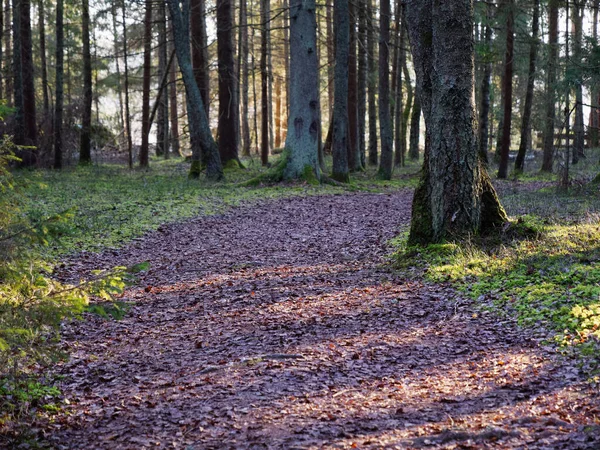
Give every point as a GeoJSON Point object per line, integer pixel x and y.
{"type": "Point", "coordinates": [204, 148]}
{"type": "Point", "coordinates": [147, 78]}
{"type": "Point", "coordinates": [526, 123]}
{"type": "Point", "coordinates": [286, 57]}
{"type": "Point", "coordinates": [126, 73]}
{"type": "Point", "coordinates": [484, 110]}
{"type": "Point", "coordinates": [44, 70]}
{"type": "Point", "coordinates": [385, 122]}
{"type": "Point", "coordinates": [200, 59]}
{"type": "Point", "coordinates": [330, 57]}
{"type": "Point", "coordinates": [162, 128]}
{"type": "Point", "coordinates": [58, 102]}
{"type": "Point", "coordinates": [243, 68]}
{"type": "Point", "coordinates": [278, 112]}
{"type": "Point", "coordinates": [406, 110]}
{"type": "Point", "coordinates": [254, 96]}
{"type": "Point", "coordinates": [353, 152]}
{"type": "Point", "coordinates": [228, 102]}
{"type": "Point", "coordinates": [8, 75]}
{"type": "Point", "coordinates": [304, 121]}
{"type": "Point", "coordinates": [339, 143]}
{"type": "Point", "coordinates": [173, 109]}
{"type": "Point", "coordinates": [85, 148]}
{"type": "Point", "coordinates": [594, 119]}
{"type": "Point", "coordinates": [551, 86]}
{"type": "Point", "coordinates": [265, 14]}
{"type": "Point", "coordinates": [578, 128]}
{"type": "Point", "coordinates": [415, 128]}
{"type": "Point", "coordinates": [507, 90]}
{"type": "Point", "coordinates": [19, 117]}
{"type": "Point", "coordinates": [372, 84]}
{"type": "Point", "coordinates": [362, 80]}
{"type": "Point", "coordinates": [270, 83]}
{"type": "Point", "coordinates": [399, 144]}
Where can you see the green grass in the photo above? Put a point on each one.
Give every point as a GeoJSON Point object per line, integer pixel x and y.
{"type": "Point", "coordinates": [113, 205]}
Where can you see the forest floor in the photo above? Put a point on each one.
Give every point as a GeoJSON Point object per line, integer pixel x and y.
{"type": "Point", "coordinates": [280, 325]}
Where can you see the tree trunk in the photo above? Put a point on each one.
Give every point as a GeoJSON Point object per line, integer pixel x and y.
{"type": "Point", "coordinates": [339, 142]}
{"type": "Point", "coordinates": [204, 148]}
{"type": "Point", "coordinates": [228, 102]}
{"type": "Point", "coordinates": [399, 144]}
{"type": "Point", "coordinates": [243, 68]}
{"type": "Point", "coordinates": [330, 57]}
{"type": "Point", "coordinates": [415, 128]}
{"type": "Point", "coordinates": [147, 78]}
{"type": "Point", "coordinates": [126, 73]}
{"type": "Point", "coordinates": [362, 80]}
{"type": "Point", "coordinates": [278, 112]}
{"type": "Point", "coordinates": [8, 55]}
{"type": "Point", "coordinates": [526, 123]}
{"type": "Point", "coordinates": [406, 111]}
{"type": "Point", "coordinates": [162, 125]}
{"type": "Point", "coordinates": [200, 59]}
{"type": "Point", "coordinates": [265, 14]}
{"type": "Point", "coordinates": [594, 119]}
{"type": "Point", "coordinates": [118, 68]}
{"type": "Point", "coordinates": [455, 196]}
{"type": "Point", "coordinates": [2, 62]}
{"type": "Point", "coordinates": [85, 148]}
{"type": "Point", "coordinates": [578, 128]}
{"type": "Point", "coordinates": [551, 86]}
{"type": "Point", "coordinates": [372, 84]}
{"type": "Point", "coordinates": [173, 109]}
{"type": "Point", "coordinates": [286, 57]}
{"type": "Point", "coordinates": [507, 89]}
{"type": "Point", "coordinates": [303, 122]}
{"type": "Point", "coordinates": [42, 32]}
{"type": "Point", "coordinates": [353, 155]}
{"type": "Point", "coordinates": [58, 102]}
{"type": "Point", "coordinates": [484, 110]}
{"type": "Point", "coordinates": [385, 123]}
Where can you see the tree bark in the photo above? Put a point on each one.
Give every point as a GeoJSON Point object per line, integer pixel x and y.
{"type": "Point", "coordinates": [302, 141]}
{"type": "Point", "coordinates": [578, 128]}
{"type": "Point", "coordinates": [8, 55]}
{"type": "Point", "coordinates": [144, 150]}
{"type": "Point", "coordinates": [44, 69]}
{"type": "Point", "coordinates": [484, 110]}
{"type": "Point", "coordinates": [362, 80]}
{"type": "Point", "coordinates": [265, 14]}
{"type": "Point", "coordinates": [339, 143]}
{"type": "Point", "coordinates": [162, 125]}
{"type": "Point", "coordinates": [228, 102]}
{"type": "Point", "coordinates": [173, 109]}
{"type": "Point", "coordinates": [551, 86]}
{"type": "Point", "coordinates": [455, 196]}
{"type": "Point", "coordinates": [385, 123]}
{"type": "Point", "coordinates": [243, 68]}
{"type": "Point", "coordinates": [372, 84]}
{"type": "Point", "coordinates": [204, 148]}
{"type": "Point", "coordinates": [526, 122]}
{"type": "Point", "coordinates": [200, 59]}
{"type": "Point", "coordinates": [330, 57]}
{"type": "Point", "coordinates": [507, 89]}
{"type": "Point", "coordinates": [399, 144]}
{"type": "Point", "coordinates": [126, 74]}
{"type": "Point", "coordinates": [59, 96]}
{"type": "Point", "coordinates": [85, 149]}
{"type": "Point", "coordinates": [353, 155]}
{"type": "Point", "coordinates": [415, 129]}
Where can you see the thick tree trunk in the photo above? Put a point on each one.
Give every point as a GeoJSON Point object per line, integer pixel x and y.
{"type": "Point", "coordinates": [126, 74]}
{"type": "Point", "coordinates": [85, 148]}
{"type": "Point", "coordinates": [362, 80]}
{"type": "Point", "coordinates": [58, 102]}
{"type": "Point", "coordinates": [303, 123]}
{"type": "Point", "coordinates": [144, 150]}
{"type": "Point", "coordinates": [339, 143]}
{"type": "Point", "coordinates": [507, 89]}
{"type": "Point", "coordinates": [526, 122]}
{"type": "Point", "coordinates": [551, 86]}
{"type": "Point", "coordinates": [484, 109]}
{"type": "Point", "coordinates": [385, 122]}
{"type": "Point", "coordinates": [265, 14]}
{"type": "Point", "coordinates": [44, 69]}
{"type": "Point", "coordinates": [228, 101]}
{"type": "Point", "coordinates": [578, 128]}
{"type": "Point", "coordinates": [162, 125]}
{"type": "Point", "coordinates": [372, 84]}
{"type": "Point", "coordinates": [455, 196]}
{"type": "Point", "coordinates": [200, 59]}
{"type": "Point", "coordinates": [204, 148]}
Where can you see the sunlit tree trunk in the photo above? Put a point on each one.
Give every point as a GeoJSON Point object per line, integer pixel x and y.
{"type": "Point", "coordinates": [385, 122]}
{"type": "Point", "coordinates": [551, 86]}
{"type": "Point", "coordinates": [85, 147]}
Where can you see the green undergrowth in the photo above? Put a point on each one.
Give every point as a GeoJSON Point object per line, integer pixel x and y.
{"type": "Point", "coordinates": [112, 205]}
{"type": "Point", "coordinates": [544, 272]}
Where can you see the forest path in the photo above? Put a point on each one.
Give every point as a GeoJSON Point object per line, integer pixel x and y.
{"type": "Point", "coordinates": [277, 326]}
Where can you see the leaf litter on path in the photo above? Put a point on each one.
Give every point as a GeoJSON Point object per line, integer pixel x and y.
{"type": "Point", "coordinates": [277, 326]}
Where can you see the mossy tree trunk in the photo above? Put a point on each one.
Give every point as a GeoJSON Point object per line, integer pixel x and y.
{"type": "Point", "coordinates": [302, 142]}
{"type": "Point", "coordinates": [455, 196]}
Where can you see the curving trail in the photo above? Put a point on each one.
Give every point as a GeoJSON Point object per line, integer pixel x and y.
{"type": "Point", "coordinates": [277, 326]}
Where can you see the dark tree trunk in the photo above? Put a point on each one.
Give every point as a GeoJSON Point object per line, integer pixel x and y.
{"type": "Point", "coordinates": [173, 109]}
{"type": "Point", "coordinates": [578, 128]}
{"type": "Point", "coordinates": [551, 86]}
{"type": "Point", "coordinates": [228, 102]}
{"type": "Point", "coordinates": [339, 142]}
{"type": "Point", "coordinates": [162, 125]}
{"type": "Point", "coordinates": [372, 84]}
{"type": "Point", "coordinates": [526, 123]}
{"type": "Point", "coordinates": [362, 80]}
{"type": "Point", "coordinates": [58, 102]}
{"type": "Point", "coordinates": [147, 78]}
{"type": "Point", "coordinates": [126, 74]}
{"type": "Point", "coordinates": [265, 14]}
{"type": "Point", "coordinates": [204, 148]}
{"type": "Point", "coordinates": [484, 110]}
{"type": "Point", "coordinates": [304, 120]}
{"type": "Point", "coordinates": [415, 128]}
{"type": "Point", "coordinates": [507, 88]}
{"type": "Point", "coordinates": [330, 57]}
{"type": "Point", "coordinates": [385, 122]}
{"type": "Point", "coordinates": [399, 144]}
{"type": "Point", "coordinates": [406, 110]}
{"type": "Point", "coordinates": [353, 154]}
{"type": "Point", "coordinates": [85, 148]}
{"type": "Point", "coordinates": [200, 60]}
{"type": "Point", "coordinates": [118, 68]}
{"type": "Point", "coordinates": [243, 68]}
{"type": "Point", "coordinates": [594, 119]}
{"type": "Point", "coordinates": [42, 32]}
{"type": "Point", "coordinates": [8, 75]}
{"type": "Point", "coordinates": [286, 57]}
{"type": "Point", "coordinates": [2, 62]}
{"type": "Point", "coordinates": [455, 196]}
